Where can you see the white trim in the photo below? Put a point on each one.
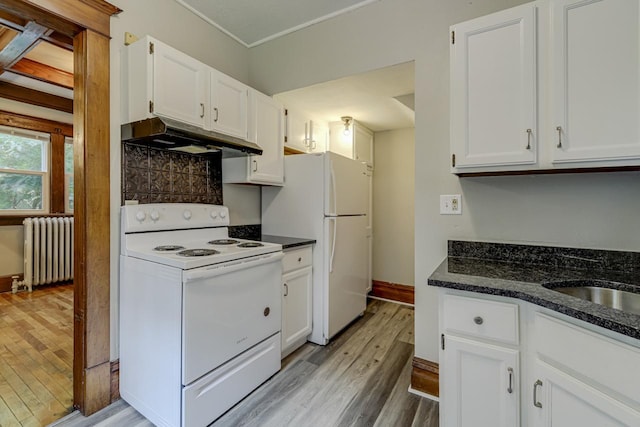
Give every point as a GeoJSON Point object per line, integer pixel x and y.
{"type": "Point", "coordinates": [422, 394]}
{"type": "Point", "coordinates": [281, 33]}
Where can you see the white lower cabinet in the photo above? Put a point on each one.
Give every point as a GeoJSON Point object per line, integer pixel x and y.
{"type": "Point", "coordinates": [297, 289]}
{"type": "Point", "coordinates": [573, 373]}
{"type": "Point", "coordinates": [560, 400]}
{"type": "Point", "coordinates": [481, 382]}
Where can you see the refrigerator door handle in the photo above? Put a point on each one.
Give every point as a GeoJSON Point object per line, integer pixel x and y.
{"type": "Point", "coordinates": [334, 196]}
{"type": "Point", "coordinates": [333, 243]}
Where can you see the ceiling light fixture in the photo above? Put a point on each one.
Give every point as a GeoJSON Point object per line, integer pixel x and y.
{"type": "Point", "coordinates": [347, 125]}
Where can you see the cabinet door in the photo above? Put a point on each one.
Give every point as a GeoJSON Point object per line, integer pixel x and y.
{"type": "Point", "coordinates": [269, 134]}
{"type": "Point", "coordinates": [178, 85]}
{"type": "Point", "coordinates": [318, 134]}
{"type": "Point", "coordinates": [560, 400]}
{"type": "Point", "coordinates": [228, 105]}
{"type": "Point", "coordinates": [596, 80]}
{"type": "Point", "coordinates": [297, 131]}
{"type": "Point", "coordinates": [493, 89]}
{"type": "Point", "coordinates": [296, 306]}
{"type": "Point", "coordinates": [479, 385]}
{"type": "Point", "coordinates": [340, 142]}
{"type": "Point", "coordinates": [363, 145]}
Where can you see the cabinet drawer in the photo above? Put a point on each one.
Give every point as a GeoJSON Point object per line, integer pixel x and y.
{"type": "Point", "coordinates": [593, 358]}
{"type": "Point", "coordinates": [296, 258]}
{"type": "Point", "coordinates": [492, 320]}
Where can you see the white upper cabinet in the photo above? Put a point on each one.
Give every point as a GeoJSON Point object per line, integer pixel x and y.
{"type": "Point", "coordinates": [229, 100]}
{"type": "Point", "coordinates": [162, 81]}
{"type": "Point", "coordinates": [493, 89]}
{"type": "Point", "coordinates": [304, 134]}
{"type": "Point", "coordinates": [596, 80]}
{"type": "Point", "coordinates": [355, 144]}
{"type": "Point", "coordinates": [266, 128]}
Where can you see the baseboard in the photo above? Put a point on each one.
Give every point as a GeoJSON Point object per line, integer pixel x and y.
{"type": "Point", "coordinates": [425, 377]}
{"type": "Point", "coordinates": [393, 291]}
{"type": "Point", "coordinates": [115, 380]}
{"type": "Point", "coordinates": [6, 281]}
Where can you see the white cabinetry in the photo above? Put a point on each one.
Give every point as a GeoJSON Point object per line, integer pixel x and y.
{"type": "Point", "coordinates": [556, 371]}
{"type": "Point", "coordinates": [356, 144]}
{"type": "Point", "coordinates": [552, 84]}
{"type": "Point", "coordinates": [479, 359]}
{"type": "Point", "coordinates": [297, 283]}
{"type": "Point", "coordinates": [160, 80]}
{"type": "Point", "coordinates": [229, 98]}
{"type": "Point", "coordinates": [493, 89]}
{"type": "Point", "coordinates": [266, 128]}
{"type": "Point", "coordinates": [304, 134]}
{"type": "Point", "coordinates": [596, 80]}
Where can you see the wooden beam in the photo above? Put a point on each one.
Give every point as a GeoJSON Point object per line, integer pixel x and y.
{"type": "Point", "coordinates": [64, 16]}
{"type": "Point", "coordinates": [35, 97]}
{"type": "Point", "coordinates": [29, 68]}
{"type": "Point", "coordinates": [60, 40]}
{"type": "Point", "coordinates": [17, 24]}
{"type": "Point", "coordinates": [41, 125]}
{"type": "Point", "coordinates": [22, 44]}
{"type": "Point", "coordinates": [56, 176]}
{"type": "Point", "coordinates": [91, 367]}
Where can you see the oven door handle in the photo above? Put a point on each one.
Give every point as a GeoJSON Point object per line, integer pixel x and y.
{"type": "Point", "coordinates": [231, 266]}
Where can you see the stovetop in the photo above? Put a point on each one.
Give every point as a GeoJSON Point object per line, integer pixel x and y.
{"type": "Point", "coordinates": [184, 236]}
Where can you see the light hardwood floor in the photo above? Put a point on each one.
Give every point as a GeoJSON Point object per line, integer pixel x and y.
{"type": "Point", "coordinates": [360, 379]}
{"type": "Point", "coordinates": [36, 356]}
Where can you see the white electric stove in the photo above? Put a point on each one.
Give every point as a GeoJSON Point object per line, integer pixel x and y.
{"type": "Point", "coordinates": [200, 312]}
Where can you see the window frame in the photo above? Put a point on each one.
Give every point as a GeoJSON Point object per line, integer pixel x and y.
{"type": "Point", "coordinates": [53, 202]}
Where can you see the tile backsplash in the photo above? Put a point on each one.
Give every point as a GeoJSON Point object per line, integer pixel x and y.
{"type": "Point", "coordinates": [152, 175]}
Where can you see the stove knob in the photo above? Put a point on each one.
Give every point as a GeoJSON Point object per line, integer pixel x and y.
{"type": "Point", "coordinates": [223, 214]}
{"type": "Point", "coordinates": [187, 214]}
{"type": "Point", "coordinates": [141, 216]}
{"type": "Point", "coordinates": [214, 214]}
{"type": "Point", "coordinates": [154, 216]}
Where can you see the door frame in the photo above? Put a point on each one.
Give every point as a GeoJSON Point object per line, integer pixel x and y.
{"type": "Point", "coordinates": [88, 23]}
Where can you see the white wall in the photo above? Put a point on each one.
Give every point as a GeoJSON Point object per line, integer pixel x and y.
{"type": "Point", "coordinates": [393, 206]}
{"type": "Point", "coordinates": [170, 23]}
{"type": "Point", "coordinates": [591, 210]}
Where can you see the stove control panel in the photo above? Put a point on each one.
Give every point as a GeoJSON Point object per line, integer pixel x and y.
{"type": "Point", "coordinates": [172, 216]}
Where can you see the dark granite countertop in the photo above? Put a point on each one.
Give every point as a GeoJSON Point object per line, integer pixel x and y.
{"type": "Point", "coordinates": [518, 271]}
{"type": "Point", "coordinates": [287, 242]}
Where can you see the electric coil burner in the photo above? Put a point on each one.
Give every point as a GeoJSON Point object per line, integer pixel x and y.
{"type": "Point", "coordinates": [250, 245]}
{"type": "Point", "coordinates": [224, 242]}
{"type": "Point", "coordinates": [200, 325]}
{"type": "Point", "coordinates": [198, 252]}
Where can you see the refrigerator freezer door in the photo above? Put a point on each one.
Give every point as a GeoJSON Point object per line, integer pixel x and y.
{"type": "Point", "coordinates": [346, 255]}
{"type": "Point", "coordinates": [346, 186]}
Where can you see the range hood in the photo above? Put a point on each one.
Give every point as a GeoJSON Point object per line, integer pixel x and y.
{"type": "Point", "coordinates": [171, 134]}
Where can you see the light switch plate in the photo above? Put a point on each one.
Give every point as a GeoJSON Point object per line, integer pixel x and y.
{"type": "Point", "coordinates": [450, 204]}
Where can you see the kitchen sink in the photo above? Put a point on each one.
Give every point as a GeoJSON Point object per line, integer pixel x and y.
{"type": "Point", "coordinates": [601, 292]}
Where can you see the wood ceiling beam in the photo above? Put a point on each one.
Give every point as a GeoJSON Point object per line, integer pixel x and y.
{"type": "Point", "coordinates": [28, 68]}
{"type": "Point", "coordinates": [35, 97]}
{"type": "Point", "coordinates": [22, 44]}
{"type": "Point", "coordinates": [18, 24]}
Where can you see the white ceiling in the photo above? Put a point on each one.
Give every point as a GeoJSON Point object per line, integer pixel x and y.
{"type": "Point", "coordinates": [252, 22]}
{"type": "Point", "coordinates": [380, 99]}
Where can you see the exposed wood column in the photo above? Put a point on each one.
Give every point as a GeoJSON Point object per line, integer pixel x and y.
{"type": "Point", "coordinates": [91, 368]}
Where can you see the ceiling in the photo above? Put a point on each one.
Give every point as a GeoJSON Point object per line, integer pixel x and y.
{"type": "Point", "coordinates": [254, 22]}
{"type": "Point", "coordinates": [381, 99]}
{"type": "Point", "coordinates": [36, 64]}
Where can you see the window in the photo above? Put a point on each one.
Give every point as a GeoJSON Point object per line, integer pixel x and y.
{"type": "Point", "coordinates": [24, 171]}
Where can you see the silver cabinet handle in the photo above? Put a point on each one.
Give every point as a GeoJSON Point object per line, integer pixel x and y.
{"type": "Point", "coordinates": [217, 113]}
{"type": "Point", "coordinates": [510, 388]}
{"type": "Point", "coordinates": [202, 110]}
{"type": "Point", "coordinates": [478, 320]}
{"type": "Point", "coordinates": [535, 394]}
{"type": "Point", "coordinates": [255, 165]}
{"type": "Point", "coordinates": [529, 132]}
{"type": "Point", "coordinates": [286, 290]}
{"type": "Point", "coordinates": [559, 129]}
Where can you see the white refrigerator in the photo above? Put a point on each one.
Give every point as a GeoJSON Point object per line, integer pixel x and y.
{"type": "Point", "coordinates": [325, 198]}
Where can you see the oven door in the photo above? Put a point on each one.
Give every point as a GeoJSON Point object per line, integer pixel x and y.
{"type": "Point", "coordinates": [228, 308]}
